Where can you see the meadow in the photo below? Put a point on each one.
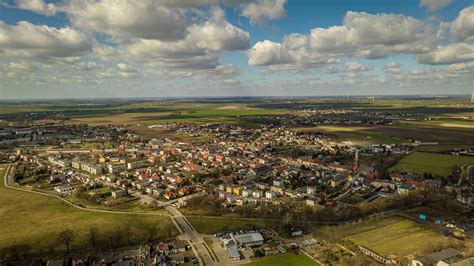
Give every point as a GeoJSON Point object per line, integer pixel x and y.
{"type": "Point", "coordinates": [436, 164]}
{"type": "Point", "coordinates": [288, 259]}
{"type": "Point", "coordinates": [207, 225]}
{"type": "Point", "coordinates": [397, 236]}
{"type": "Point", "coordinates": [35, 221]}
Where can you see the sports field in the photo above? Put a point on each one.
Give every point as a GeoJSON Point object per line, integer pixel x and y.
{"type": "Point", "coordinates": [36, 220]}
{"type": "Point", "coordinates": [288, 259]}
{"type": "Point", "coordinates": [436, 164]}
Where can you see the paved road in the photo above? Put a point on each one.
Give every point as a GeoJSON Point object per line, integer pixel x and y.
{"type": "Point", "coordinates": [9, 183]}
{"type": "Point", "coordinates": [190, 234]}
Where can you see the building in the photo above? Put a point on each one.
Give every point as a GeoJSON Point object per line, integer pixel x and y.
{"type": "Point", "coordinates": [441, 258]}
{"type": "Point", "coordinates": [119, 193]}
{"type": "Point", "coordinates": [63, 189]}
{"type": "Point", "coordinates": [248, 240]}
{"type": "Point", "coordinates": [270, 195]}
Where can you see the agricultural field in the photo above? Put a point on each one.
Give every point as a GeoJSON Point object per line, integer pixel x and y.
{"type": "Point", "coordinates": [356, 134]}
{"type": "Point", "coordinates": [157, 114]}
{"type": "Point", "coordinates": [288, 259]}
{"type": "Point", "coordinates": [34, 221]}
{"type": "Point", "coordinates": [205, 225]}
{"type": "Point", "coordinates": [436, 164]}
{"type": "Point", "coordinates": [395, 236]}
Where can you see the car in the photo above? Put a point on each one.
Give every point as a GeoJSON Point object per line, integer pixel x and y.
{"type": "Point", "coordinates": [194, 261]}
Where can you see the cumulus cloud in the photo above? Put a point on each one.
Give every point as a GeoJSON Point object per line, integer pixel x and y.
{"type": "Point", "coordinates": [198, 49]}
{"type": "Point", "coordinates": [128, 18]}
{"type": "Point", "coordinates": [463, 25]}
{"type": "Point", "coordinates": [449, 54]}
{"type": "Point", "coordinates": [433, 5]}
{"type": "Point", "coordinates": [38, 6]}
{"type": "Point", "coordinates": [262, 10]}
{"type": "Point", "coordinates": [356, 67]}
{"type": "Point", "coordinates": [361, 35]}
{"type": "Point", "coordinates": [41, 41]}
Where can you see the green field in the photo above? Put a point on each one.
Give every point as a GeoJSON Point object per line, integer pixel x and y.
{"type": "Point", "coordinates": [395, 236]}
{"type": "Point", "coordinates": [213, 225]}
{"type": "Point", "coordinates": [436, 164]}
{"type": "Point", "coordinates": [284, 260]}
{"type": "Point", "coordinates": [36, 220]}
{"type": "Point", "coordinates": [358, 134]}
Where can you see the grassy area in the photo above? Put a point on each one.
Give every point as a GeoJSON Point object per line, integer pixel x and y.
{"type": "Point", "coordinates": [288, 259]}
{"type": "Point", "coordinates": [394, 236]}
{"type": "Point", "coordinates": [155, 114]}
{"type": "Point", "coordinates": [436, 164]}
{"type": "Point", "coordinates": [438, 148]}
{"type": "Point", "coordinates": [36, 220]}
{"type": "Point", "coordinates": [359, 134]}
{"type": "Point", "coordinates": [213, 225]}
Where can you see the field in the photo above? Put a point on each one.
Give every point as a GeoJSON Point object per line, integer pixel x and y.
{"type": "Point", "coordinates": [436, 164]}
{"type": "Point", "coordinates": [283, 260]}
{"type": "Point", "coordinates": [36, 220]}
{"type": "Point", "coordinates": [213, 225]}
{"type": "Point", "coordinates": [394, 236]}
{"type": "Point", "coordinates": [356, 134]}
{"type": "Point", "coordinates": [157, 114]}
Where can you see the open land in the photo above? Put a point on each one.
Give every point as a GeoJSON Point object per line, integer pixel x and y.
{"type": "Point", "coordinates": [436, 164]}
{"type": "Point", "coordinates": [36, 221]}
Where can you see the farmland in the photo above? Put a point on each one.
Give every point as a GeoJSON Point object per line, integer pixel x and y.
{"type": "Point", "coordinates": [34, 222]}
{"type": "Point", "coordinates": [436, 164]}
{"type": "Point", "coordinates": [283, 260]}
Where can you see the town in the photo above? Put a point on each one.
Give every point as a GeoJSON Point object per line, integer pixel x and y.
{"type": "Point", "coordinates": [273, 173]}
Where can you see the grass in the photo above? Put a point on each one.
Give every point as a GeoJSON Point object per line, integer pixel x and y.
{"type": "Point", "coordinates": [436, 164]}
{"type": "Point", "coordinates": [357, 134]}
{"type": "Point", "coordinates": [288, 259]}
{"type": "Point", "coordinates": [36, 220]}
{"type": "Point", "coordinates": [438, 148]}
{"type": "Point", "coordinates": [213, 225]}
{"type": "Point", "coordinates": [208, 242]}
{"type": "Point", "coordinates": [165, 113]}
{"type": "Point", "coordinates": [394, 236]}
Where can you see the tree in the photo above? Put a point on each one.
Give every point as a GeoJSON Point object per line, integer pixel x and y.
{"type": "Point", "coordinates": [67, 237]}
{"type": "Point", "coordinates": [92, 235]}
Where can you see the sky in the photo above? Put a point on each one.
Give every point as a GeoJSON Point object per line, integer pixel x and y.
{"type": "Point", "coordinates": [217, 48]}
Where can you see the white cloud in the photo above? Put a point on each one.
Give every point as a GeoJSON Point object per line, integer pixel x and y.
{"type": "Point", "coordinates": [262, 10]}
{"type": "Point", "coordinates": [362, 35]}
{"type": "Point", "coordinates": [267, 53]}
{"type": "Point", "coordinates": [463, 25]}
{"type": "Point", "coordinates": [42, 42]}
{"type": "Point", "coordinates": [128, 18]}
{"type": "Point", "coordinates": [38, 6]}
{"type": "Point", "coordinates": [449, 54]}
{"type": "Point", "coordinates": [433, 5]}
{"type": "Point", "coordinates": [356, 67]}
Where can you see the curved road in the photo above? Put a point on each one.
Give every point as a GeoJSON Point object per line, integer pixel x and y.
{"type": "Point", "coordinates": [178, 219]}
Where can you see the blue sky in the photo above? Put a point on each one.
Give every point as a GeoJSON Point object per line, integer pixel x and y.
{"type": "Point", "coordinates": [106, 48]}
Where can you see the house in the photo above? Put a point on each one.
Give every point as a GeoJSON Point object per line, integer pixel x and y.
{"type": "Point", "coordinates": [404, 188]}
{"type": "Point", "coordinates": [441, 258]}
{"type": "Point", "coordinates": [257, 194]}
{"type": "Point", "coordinates": [57, 178]}
{"type": "Point", "coordinates": [270, 195]}
{"type": "Point", "coordinates": [119, 193]}
{"type": "Point", "coordinates": [63, 189]}
{"type": "Point", "coordinates": [311, 191]}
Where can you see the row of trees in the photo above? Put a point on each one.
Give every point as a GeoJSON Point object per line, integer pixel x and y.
{"type": "Point", "coordinates": [121, 235]}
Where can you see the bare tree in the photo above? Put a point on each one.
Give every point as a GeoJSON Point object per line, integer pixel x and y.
{"type": "Point", "coordinates": [92, 235]}
{"type": "Point", "coordinates": [67, 237]}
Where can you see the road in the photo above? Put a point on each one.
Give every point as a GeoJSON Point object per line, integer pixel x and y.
{"type": "Point", "coordinates": [9, 183]}
{"type": "Point", "coordinates": [183, 225]}
{"type": "Point", "coordinates": [194, 238]}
